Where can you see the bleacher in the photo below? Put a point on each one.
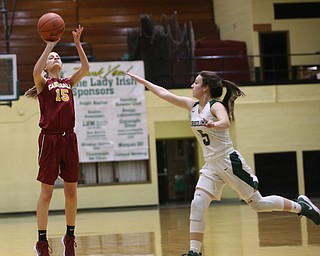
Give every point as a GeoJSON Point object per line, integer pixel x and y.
{"type": "Point", "coordinates": [106, 25]}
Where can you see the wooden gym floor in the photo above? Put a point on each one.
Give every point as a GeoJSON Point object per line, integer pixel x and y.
{"type": "Point", "coordinates": [233, 229]}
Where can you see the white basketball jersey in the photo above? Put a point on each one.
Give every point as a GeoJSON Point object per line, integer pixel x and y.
{"type": "Point", "coordinates": [214, 143]}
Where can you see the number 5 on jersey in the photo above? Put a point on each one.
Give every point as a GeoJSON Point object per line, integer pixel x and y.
{"type": "Point", "coordinates": [205, 137]}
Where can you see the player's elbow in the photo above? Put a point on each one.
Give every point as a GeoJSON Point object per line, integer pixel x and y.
{"type": "Point", "coordinates": [83, 71]}
{"type": "Point", "coordinates": [224, 126]}
{"type": "Point", "coordinates": [85, 68]}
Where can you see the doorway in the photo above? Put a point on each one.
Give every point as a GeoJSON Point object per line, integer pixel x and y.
{"type": "Point", "coordinates": [177, 170]}
{"type": "Point", "coordinates": [311, 172]}
{"type": "Point", "coordinates": [278, 173]}
{"type": "Point", "coordinates": [274, 55]}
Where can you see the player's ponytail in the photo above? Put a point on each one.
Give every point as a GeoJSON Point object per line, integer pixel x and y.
{"type": "Point", "coordinates": [32, 93]}
{"type": "Point", "coordinates": [232, 93]}
{"type": "Point", "coordinates": [216, 85]}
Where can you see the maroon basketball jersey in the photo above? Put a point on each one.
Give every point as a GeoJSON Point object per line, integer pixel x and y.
{"type": "Point", "coordinates": [57, 105]}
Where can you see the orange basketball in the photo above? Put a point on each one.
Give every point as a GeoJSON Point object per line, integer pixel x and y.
{"type": "Point", "coordinates": [50, 26]}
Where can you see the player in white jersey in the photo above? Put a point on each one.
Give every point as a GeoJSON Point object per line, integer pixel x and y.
{"type": "Point", "coordinates": [210, 122]}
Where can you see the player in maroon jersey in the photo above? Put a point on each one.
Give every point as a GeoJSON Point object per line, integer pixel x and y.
{"type": "Point", "coordinates": [58, 151]}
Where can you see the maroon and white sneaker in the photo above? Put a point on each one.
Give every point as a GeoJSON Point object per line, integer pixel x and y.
{"type": "Point", "coordinates": [42, 248]}
{"type": "Point", "coordinates": [69, 245]}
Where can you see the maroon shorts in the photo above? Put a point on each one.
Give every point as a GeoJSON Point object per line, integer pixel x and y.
{"type": "Point", "coordinates": [58, 156]}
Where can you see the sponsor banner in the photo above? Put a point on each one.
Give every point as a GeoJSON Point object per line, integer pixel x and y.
{"type": "Point", "coordinates": [110, 112]}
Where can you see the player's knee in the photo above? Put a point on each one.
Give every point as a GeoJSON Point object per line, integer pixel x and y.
{"type": "Point", "coordinates": [260, 206]}
{"type": "Point", "coordinates": [197, 208]}
{"type": "Point", "coordinates": [255, 206]}
{"type": "Point", "coordinates": [45, 196]}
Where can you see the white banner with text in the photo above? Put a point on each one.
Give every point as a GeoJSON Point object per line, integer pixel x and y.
{"type": "Point", "coordinates": [111, 122]}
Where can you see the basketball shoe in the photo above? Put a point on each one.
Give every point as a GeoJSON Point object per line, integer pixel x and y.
{"type": "Point", "coordinates": [42, 248]}
{"type": "Point", "coordinates": [308, 209]}
{"type": "Point", "coordinates": [191, 253]}
{"type": "Point", "coordinates": [69, 245]}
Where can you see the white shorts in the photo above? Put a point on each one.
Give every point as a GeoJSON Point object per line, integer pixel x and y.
{"type": "Point", "coordinates": [231, 169]}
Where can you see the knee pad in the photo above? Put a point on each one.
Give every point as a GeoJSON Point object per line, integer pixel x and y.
{"type": "Point", "coordinates": [261, 205]}
{"type": "Point", "coordinates": [267, 204]}
{"type": "Point", "coordinates": [197, 209]}
{"type": "Point", "coordinates": [199, 205]}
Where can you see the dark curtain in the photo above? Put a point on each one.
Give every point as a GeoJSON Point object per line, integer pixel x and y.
{"type": "Point", "coordinates": [167, 50]}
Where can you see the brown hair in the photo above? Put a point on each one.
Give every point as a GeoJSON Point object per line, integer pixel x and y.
{"type": "Point", "coordinates": [32, 93]}
{"type": "Point", "coordinates": [216, 85]}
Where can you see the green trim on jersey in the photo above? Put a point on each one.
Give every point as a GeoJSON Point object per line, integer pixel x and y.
{"type": "Point", "coordinates": [240, 173]}
{"type": "Point", "coordinates": [212, 102]}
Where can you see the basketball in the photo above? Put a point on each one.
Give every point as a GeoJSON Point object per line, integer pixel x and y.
{"type": "Point", "coordinates": [51, 26]}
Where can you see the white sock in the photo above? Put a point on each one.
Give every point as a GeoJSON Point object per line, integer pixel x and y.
{"type": "Point", "coordinates": [295, 207]}
{"type": "Point", "coordinates": [195, 246]}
